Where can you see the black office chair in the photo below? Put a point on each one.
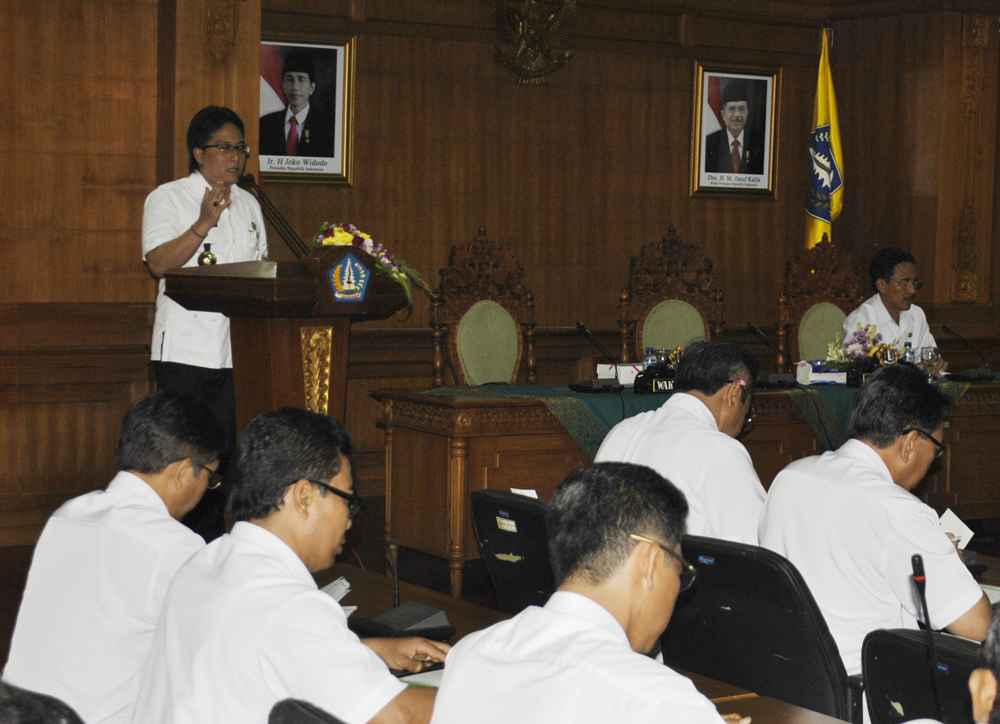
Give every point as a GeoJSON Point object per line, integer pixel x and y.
{"type": "Point", "coordinates": [296, 711]}
{"type": "Point", "coordinates": [30, 707]}
{"type": "Point", "coordinates": [750, 620]}
{"type": "Point", "coordinates": [510, 529]}
{"type": "Point", "coordinates": [894, 663]}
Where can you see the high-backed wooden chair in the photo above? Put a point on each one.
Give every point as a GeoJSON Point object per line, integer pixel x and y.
{"type": "Point", "coordinates": [670, 300]}
{"type": "Point", "coordinates": [485, 315]}
{"type": "Point", "coordinates": [822, 287]}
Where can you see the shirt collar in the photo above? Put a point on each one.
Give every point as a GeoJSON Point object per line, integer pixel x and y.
{"type": "Point", "coordinates": [275, 546]}
{"type": "Point", "coordinates": [864, 453]}
{"type": "Point", "coordinates": [695, 406]}
{"type": "Point", "coordinates": [133, 484]}
{"type": "Point", "coordinates": [735, 138]}
{"type": "Point", "coordinates": [300, 116]}
{"type": "Point", "coordinates": [575, 604]}
{"type": "Point", "coordinates": [882, 314]}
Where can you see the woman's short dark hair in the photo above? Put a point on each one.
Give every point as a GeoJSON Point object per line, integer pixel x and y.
{"type": "Point", "coordinates": [166, 427]}
{"type": "Point", "coordinates": [710, 365]}
{"type": "Point", "coordinates": [206, 122]}
{"type": "Point", "coordinates": [597, 507]}
{"type": "Point", "coordinates": [276, 450]}
{"type": "Point", "coordinates": [884, 263]}
{"type": "Point", "coordinates": [894, 399]}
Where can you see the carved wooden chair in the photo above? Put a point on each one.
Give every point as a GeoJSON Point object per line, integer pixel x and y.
{"type": "Point", "coordinates": [670, 299]}
{"type": "Point", "coordinates": [485, 313]}
{"type": "Point", "coordinates": [822, 287]}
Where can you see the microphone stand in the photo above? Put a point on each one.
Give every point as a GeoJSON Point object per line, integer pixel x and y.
{"type": "Point", "coordinates": [288, 235]}
{"type": "Point", "coordinates": [920, 580]}
{"type": "Point", "coordinates": [974, 348]}
{"type": "Point", "coordinates": [778, 378]}
{"type": "Point", "coordinates": [598, 384]}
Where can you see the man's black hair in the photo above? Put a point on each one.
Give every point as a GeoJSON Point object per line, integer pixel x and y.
{"type": "Point", "coordinates": [884, 263]}
{"type": "Point", "coordinates": [206, 122]}
{"type": "Point", "coordinates": [989, 658]}
{"type": "Point", "coordinates": [894, 399]}
{"type": "Point", "coordinates": [299, 61]}
{"type": "Point", "coordinates": [166, 427]}
{"type": "Point", "coordinates": [276, 450]}
{"type": "Point", "coordinates": [711, 364]}
{"type": "Point", "coordinates": [596, 508]}
{"type": "Point", "coordinates": [732, 92]}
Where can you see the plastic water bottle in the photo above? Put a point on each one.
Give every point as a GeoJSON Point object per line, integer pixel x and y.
{"type": "Point", "coordinates": [650, 358]}
{"type": "Point", "coordinates": [908, 355]}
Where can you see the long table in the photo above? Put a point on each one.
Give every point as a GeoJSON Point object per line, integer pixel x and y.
{"type": "Point", "coordinates": [372, 594]}
{"type": "Point", "coordinates": [442, 446]}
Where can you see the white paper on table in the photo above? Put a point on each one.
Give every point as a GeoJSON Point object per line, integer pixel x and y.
{"type": "Point", "coordinates": [337, 589]}
{"type": "Point", "coordinates": [430, 679]}
{"type": "Point", "coordinates": [525, 493]}
{"type": "Point", "coordinates": [960, 532]}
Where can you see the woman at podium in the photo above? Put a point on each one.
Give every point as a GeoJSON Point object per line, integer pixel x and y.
{"type": "Point", "coordinates": [204, 218]}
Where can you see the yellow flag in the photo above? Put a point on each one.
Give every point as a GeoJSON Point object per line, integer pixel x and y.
{"type": "Point", "coordinates": [824, 197]}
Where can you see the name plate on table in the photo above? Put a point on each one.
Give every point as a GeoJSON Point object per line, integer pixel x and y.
{"type": "Point", "coordinates": [663, 385]}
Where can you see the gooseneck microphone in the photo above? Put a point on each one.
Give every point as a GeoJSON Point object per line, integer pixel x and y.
{"type": "Point", "coordinates": [598, 384]}
{"type": "Point", "coordinates": [920, 580]}
{"type": "Point", "coordinates": [765, 339]}
{"type": "Point", "coordinates": [970, 345]}
{"type": "Point", "coordinates": [288, 235]}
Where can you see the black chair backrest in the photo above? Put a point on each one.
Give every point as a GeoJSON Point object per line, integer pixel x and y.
{"type": "Point", "coordinates": [510, 529]}
{"type": "Point", "coordinates": [296, 711]}
{"type": "Point", "coordinates": [750, 620]}
{"type": "Point", "coordinates": [30, 707]}
{"type": "Point", "coordinates": [897, 675]}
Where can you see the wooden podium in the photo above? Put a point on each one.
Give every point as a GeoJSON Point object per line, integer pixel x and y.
{"type": "Point", "coordinates": [290, 323]}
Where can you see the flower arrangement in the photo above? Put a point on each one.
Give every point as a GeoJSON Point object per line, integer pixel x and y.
{"type": "Point", "coordinates": [349, 235]}
{"type": "Point", "coordinates": [864, 349]}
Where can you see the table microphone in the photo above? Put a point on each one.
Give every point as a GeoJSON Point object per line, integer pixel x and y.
{"type": "Point", "coordinates": [598, 384]}
{"type": "Point", "coordinates": [920, 580]}
{"type": "Point", "coordinates": [977, 373]}
{"type": "Point", "coordinates": [411, 619]}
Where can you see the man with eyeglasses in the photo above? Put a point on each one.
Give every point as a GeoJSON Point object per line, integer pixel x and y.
{"type": "Point", "coordinates": [102, 566]}
{"type": "Point", "coordinates": [184, 220]}
{"type": "Point", "coordinates": [614, 533]}
{"type": "Point", "coordinates": [894, 277]}
{"type": "Point", "coordinates": [850, 524]}
{"type": "Point", "coordinates": [691, 440]}
{"type": "Point", "coordinates": [244, 625]}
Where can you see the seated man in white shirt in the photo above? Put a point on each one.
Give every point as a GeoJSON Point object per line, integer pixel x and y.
{"type": "Point", "coordinates": [244, 625]}
{"type": "Point", "coordinates": [690, 440]}
{"type": "Point", "coordinates": [894, 277]}
{"type": "Point", "coordinates": [848, 522]}
{"type": "Point", "coordinates": [103, 563]}
{"type": "Point", "coordinates": [614, 534]}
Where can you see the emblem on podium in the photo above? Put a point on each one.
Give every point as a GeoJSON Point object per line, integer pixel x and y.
{"type": "Point", "coordinates": [349, 280]}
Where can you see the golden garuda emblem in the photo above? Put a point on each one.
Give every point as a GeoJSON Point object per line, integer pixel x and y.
{"type": "Point", "coordinates": [535, 35]}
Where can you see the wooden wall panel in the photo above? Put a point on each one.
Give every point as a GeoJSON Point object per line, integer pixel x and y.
{"type": "Point", "coordinates": [77, 138]}
{"type": "Point", "coordinates": [576, 176]}
{"type": "Point", "coordinates": [67, 375]}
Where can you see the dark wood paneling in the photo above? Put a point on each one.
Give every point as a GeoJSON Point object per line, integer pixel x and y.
{"type": "Point", "coordinates": [67, 375]}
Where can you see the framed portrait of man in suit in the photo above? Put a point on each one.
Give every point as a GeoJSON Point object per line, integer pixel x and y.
{"type": "Point", "coordinates": [305, 111]}
{"type": "Point", "coordinates": [735, 130]}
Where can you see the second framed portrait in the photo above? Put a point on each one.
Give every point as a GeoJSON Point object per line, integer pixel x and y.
{"type": "Point", "coordinates": [734, 137]}
{"type": "Point", "coordinates": [305, 111]}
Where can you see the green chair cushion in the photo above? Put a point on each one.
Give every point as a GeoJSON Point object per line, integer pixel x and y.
{"type": "Point", "coordinates": [819, 327]}
{"type": "Point", "coordinates": [487, 343]}
{"type": "Point", "coordinates": [672, 324]}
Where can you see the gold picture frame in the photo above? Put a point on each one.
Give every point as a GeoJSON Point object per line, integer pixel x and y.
{"type": "Point", "coordinates": [323, 149]}
{"type": "Point", "coordinates": [752, 117]}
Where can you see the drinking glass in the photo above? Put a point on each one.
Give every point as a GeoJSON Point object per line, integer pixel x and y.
{"type": "Point", "coordinates": [930, 357]}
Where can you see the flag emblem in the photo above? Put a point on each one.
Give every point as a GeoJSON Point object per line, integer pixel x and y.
{"type": "Point", "coordinates": [824, 174]}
